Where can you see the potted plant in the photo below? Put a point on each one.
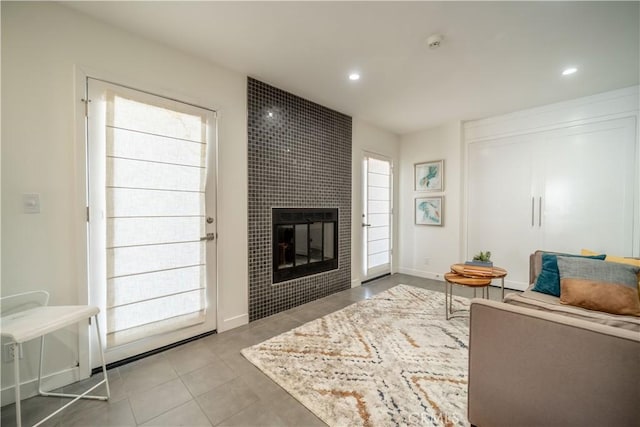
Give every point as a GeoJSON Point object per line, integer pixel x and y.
{"type": "Point", "coordinates": [481, 259]}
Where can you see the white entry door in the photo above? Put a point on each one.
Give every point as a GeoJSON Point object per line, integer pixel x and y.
{"type": "Point", "coordinates": [151, 218]}
{"type": "Point", "coordinates": [376, 218]}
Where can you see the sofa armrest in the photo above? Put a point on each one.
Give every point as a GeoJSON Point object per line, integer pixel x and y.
{"type": "Point", "coordinates": [532, 368]}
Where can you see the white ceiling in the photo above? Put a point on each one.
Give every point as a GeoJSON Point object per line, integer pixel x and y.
{"type": "Point", "coordinates": [496, 57]}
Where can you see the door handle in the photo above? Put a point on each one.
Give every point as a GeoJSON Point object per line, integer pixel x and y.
{"type": "Point", "coordinates": [209, 236]}
{"type": "Point", "coordinates": [366, 225]}
{"type": "Point", "coordinates": [540, 212]}
{"type": "Point", "coordinates": [533, 204]}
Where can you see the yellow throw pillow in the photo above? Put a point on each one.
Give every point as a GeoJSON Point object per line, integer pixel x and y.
{"type": "Point", "coordinates": [628, 261]}
{"type": "Point", "coordinates": [588, 252]}
{"type": "Point", "coordinates": [618, 259]}
{"type": "Point", "coordinates": [611, 258]}
{"type": "Point", "coordinates": [623, 260]}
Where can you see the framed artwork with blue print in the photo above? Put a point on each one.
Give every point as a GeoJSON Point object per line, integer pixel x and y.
{"type": "Point", "coordinates": [429, 210]}
{"type": "Point", "coordinates": [429, 176]}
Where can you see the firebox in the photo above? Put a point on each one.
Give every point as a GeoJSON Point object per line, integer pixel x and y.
{"type": "Point", "coordinates": [305, 242]}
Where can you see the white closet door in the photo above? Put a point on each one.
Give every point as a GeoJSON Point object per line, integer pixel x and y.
{"type": "Point", "coordinates": [559, 190]}
{"type": "Point", "coordinates": [588, 187]}
{"type": "Point", "coordinates": [502, 204]}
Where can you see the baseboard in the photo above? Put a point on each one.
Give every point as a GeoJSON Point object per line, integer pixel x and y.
{"type": "Point", "coordinates": [422, 273]}
{"type": "Point", "coordinates": [233, 322]}
{"type": "Point", "coordinates": [49, 382]}
{"type": "Point", "coordinates": [355, 283]}
{"type": "Point", "coordinates": [440, 277]}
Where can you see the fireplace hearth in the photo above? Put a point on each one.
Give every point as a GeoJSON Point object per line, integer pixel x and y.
{"type": "Point", "coordinates": [305, 242]}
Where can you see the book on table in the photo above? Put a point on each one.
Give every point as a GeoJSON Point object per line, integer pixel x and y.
{"type": "Point", "coordinates": [477, 270]}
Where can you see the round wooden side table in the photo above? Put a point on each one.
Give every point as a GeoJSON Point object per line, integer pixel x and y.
{"type": "Point", "coordinates": [469, 271]}
{"type": "Point", "coordinates": [458, 279]}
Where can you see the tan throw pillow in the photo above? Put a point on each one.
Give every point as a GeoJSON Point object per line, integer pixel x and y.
{"type": "Point", "coordinates": [603, 286]}
{"type": "Point", "coordinates": [618, 259]}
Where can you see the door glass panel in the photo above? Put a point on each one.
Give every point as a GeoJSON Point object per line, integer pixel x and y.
{"type": "Point", "coordinates": [379, 259]}
{"type": "Point", "coordinates": [377, 216]}
{"type": "Point", "coordinates": [379, 220]}
{"type": "Point", "coordinates": [378, 180]}
{"type": "Point", "coordinates": [378, 193]}
{"type": "Point", "coordinates": [379, 166]}
{"type": "Point", "coordinates": [377, 233]}
{"type": "Point", "coordinates": [378, 206]}
{"type": "Point", "coordinates": [377, 246]}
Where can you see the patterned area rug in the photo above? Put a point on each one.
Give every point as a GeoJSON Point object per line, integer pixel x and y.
{"type": "Point", "coordinates": [392, 360]}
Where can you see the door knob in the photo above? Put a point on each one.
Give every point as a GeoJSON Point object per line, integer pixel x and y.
{"type": "Point", "coordinates": [209, 236]}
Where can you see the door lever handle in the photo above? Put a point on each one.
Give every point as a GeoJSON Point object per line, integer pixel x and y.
{"type": "Point", "coordinates": [209, 236]}
{"type": "Point", "coordinates": [366, 225]}
{"type": "Point", "coordinates": [533, 206]}
{"type": "Point", "coordinates": [540, 212]}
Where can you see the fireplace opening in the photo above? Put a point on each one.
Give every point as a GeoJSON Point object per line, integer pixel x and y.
{"type": "Point", "coordinates": [305, 242]}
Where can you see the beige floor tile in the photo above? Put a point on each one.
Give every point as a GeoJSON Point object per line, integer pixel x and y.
{"type": "Point", "coordinates": [116, 388]}
{"type": "Point", "coordinates": [188, 414]}
{"type": "Point", "coordinates": [145, 374]}
{"type": "Point", "coordinates": [238, 364]}
{"type": "Point", "coordinates": [257, 414]}
{"type": "Point", "coordinates": [33, 410]}
{"type": "Point", "coordinates": [150, 403]}
{"type": "Point", "coordinates": [208, 377]}
{"type": "Point", "coordinates": [232, 341]}
{"type": "Point", "coordinates": [291, 411]}
{"type": "Point", "coordinates": [260, 383]}
{"type": "Point", "coordinates": [190, 357]}
{"type": "Point", "coordinates": [117, 414]}
{"type": "Point", "coordinates": [226, 400]}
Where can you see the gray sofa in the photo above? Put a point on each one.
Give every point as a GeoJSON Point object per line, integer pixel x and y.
{"type": "Point", "coordinates": [535, 362]}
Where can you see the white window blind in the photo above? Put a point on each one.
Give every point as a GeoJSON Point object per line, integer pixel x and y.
{"type": "Point", "coordinates": [155, 208]}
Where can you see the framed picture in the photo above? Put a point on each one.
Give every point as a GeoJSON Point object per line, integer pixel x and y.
{"type": "Point", "coordinates": [429, 176]}
{"type": "Point", "coordinates": [429, 210]}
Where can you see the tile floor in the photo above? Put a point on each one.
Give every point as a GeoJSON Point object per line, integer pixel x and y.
{"type": "Point", "coordinates": [207, 382]}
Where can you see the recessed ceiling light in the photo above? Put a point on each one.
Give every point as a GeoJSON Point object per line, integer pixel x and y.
{"type": "Point", "coordinates": [354, 76]}
{"type": "Point", "coordinates": [569, 71]}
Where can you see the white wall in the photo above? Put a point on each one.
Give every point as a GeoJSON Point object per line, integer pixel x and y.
{"type": "Point", "coordinates": [41, 45]}
{"type": "Point", "coordinates": [368, 138]}
{"type": "Point", "coordinates": [428, 251]}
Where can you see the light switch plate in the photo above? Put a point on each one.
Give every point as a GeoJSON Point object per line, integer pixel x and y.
{"type": "Point", "coordinates": [31, 203]}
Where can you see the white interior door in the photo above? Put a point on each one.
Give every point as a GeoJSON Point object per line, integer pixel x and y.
{"type": "Point", "coordinates": [503, 204]}
{"type": "Point", "coordinates": [376, 219]}
{"type": "Point", "coordinates": [151, 218]}
{"type": "Point", "coordinates": [589, 186]}
{"type": "Point", "coordinates": [558, 190]}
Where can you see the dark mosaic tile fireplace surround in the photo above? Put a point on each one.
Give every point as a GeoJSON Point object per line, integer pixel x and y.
{"type": "Point", "coordinates": [299, 156]}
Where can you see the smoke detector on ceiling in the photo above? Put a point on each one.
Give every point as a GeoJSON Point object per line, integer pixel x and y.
{"type": "Point", "coordinates": [434, 41]}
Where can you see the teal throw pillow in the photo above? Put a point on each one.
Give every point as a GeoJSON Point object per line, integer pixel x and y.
{"type": "Point", "coordinates": [548, 281]}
